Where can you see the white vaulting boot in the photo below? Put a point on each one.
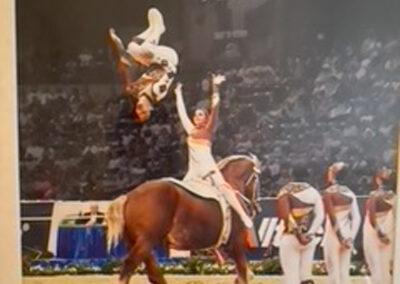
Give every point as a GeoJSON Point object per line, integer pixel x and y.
{"type": "Point", "coordinates": [156, 20]}
{"type": "Point", "coordinates": [250, 274]}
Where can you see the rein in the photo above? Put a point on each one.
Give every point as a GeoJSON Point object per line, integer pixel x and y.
{"type": "Point", "coordinates": [248, 181]}
{"type": "Point", "coordinates": [250, 202]}
{"type": "Point", "coordinates": [244, 198]}
{"type": "Point", "coordinates": [250, 178]}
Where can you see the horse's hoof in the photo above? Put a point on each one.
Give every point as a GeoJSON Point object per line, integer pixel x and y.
{"type": "Point", "coordinates": [238, 281]}
{"type": "Point", "coordinates": [250, 274]}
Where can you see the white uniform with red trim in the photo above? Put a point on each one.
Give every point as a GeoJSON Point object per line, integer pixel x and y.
{"type": "Point", "coordinates": [348, 219]}
{"type": "Point", "coordinates": [379, 256]}
{"type": "Point", "coordinates": [306, 215]}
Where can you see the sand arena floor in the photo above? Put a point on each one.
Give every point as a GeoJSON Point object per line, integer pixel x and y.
{"type": "Point", "coordinates": [171, 279]}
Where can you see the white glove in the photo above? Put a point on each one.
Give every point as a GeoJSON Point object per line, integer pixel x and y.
{"type": "Point", "coordinates": [338, 166]}
{"type": "Point", "coordinates": [215, 99]}
{"type": "Point", "coordinates": [218, 79]}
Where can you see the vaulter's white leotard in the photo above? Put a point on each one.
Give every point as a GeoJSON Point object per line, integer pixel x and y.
{"type": "Point", "coordinates": [201, 160]}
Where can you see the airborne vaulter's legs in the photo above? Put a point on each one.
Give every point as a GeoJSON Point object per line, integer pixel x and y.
{"type": "Point", "coordinates": [150, 36]}
{"type": "Point", "coordinates": [160, 62]}
{"type": "Point", "coordinates": [156, 27]}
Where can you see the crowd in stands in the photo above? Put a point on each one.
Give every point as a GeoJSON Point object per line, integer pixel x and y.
{"type": "Point", "coordinates": [79, 141]}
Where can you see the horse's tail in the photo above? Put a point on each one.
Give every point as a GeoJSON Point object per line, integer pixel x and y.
{"type": "Point", "coordinates": [115, 221]}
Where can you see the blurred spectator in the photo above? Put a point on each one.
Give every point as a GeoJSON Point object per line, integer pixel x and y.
{"type": "Point", "coordinates": [311, 110]}
{"type": "Point", "coordinates": [91, 217]}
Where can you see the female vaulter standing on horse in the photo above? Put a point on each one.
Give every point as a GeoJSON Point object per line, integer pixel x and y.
{"type": "Point", "coordinates": [200, 132]}
{"type": "Point", "coordinates": [161, 63]}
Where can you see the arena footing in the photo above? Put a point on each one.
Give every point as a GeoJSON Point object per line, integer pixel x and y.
{"type": "Point", "coordinates": [172, 279]}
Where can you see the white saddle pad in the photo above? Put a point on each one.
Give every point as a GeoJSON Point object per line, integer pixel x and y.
{"type": "Point", "coordinates": [199, 187]}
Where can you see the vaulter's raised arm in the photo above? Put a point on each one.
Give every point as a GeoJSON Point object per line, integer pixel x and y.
{"type": "Point", "coordinates": [216, 81]}
{"type": "Point", "coordinates": [180, 105]}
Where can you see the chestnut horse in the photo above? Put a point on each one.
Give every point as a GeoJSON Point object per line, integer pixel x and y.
{"type": "Point", "coordinates": [159, 212]}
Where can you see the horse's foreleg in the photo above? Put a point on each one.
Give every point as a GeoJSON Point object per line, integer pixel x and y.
{"type": "Point", "coordinates": [239, 257]}
{"type": "Point", "coordinates": [140, 251]}
{"type": "Point", "coordinates": [153, 272]}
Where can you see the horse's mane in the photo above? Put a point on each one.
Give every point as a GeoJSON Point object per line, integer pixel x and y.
{"type": "Point", "coordinates": [226, 161]}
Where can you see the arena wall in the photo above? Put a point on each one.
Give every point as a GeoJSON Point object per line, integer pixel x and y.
{"type": "Point", "coordinates": [40, 221]}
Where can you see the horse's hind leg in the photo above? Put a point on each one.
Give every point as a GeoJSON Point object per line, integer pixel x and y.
{"type": "Point", "coordinates": [153, 273]}
{"type": "Point", "coordinates": [140, 251]}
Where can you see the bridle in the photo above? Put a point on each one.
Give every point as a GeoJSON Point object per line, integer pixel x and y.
{"type": "Point", "coordinates": [252, 201]}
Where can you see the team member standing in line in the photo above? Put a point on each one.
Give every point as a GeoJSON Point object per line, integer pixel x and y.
{"type": "Point", "coordinates": [300, 209]}
{"type": "Point", "coordinates": [378, 229]}
{"type": "Point", "coordinates": [341, 226]}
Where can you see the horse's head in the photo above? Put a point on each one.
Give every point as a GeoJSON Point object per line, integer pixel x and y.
{"type": "Point", "coordinates": [242, 172]}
